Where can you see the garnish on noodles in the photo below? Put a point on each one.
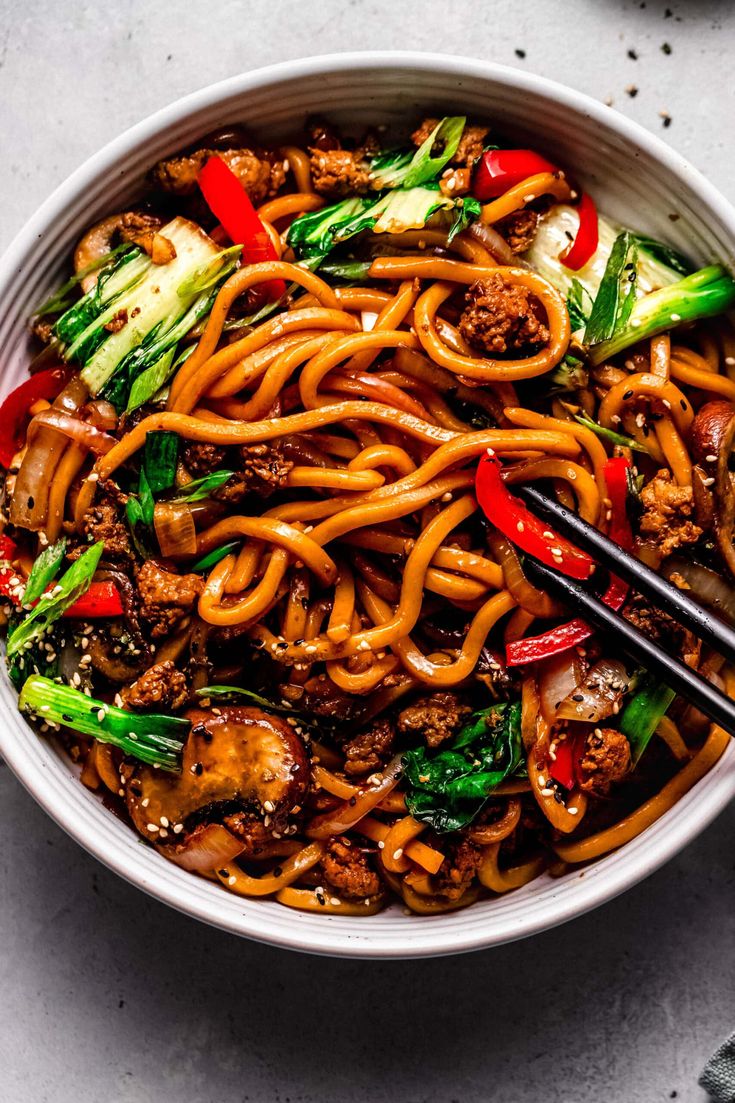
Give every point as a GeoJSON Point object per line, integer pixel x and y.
{"type": "Point", "coordinates": [263, 562]}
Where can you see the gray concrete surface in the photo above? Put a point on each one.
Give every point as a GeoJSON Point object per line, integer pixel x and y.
{"type": "Point", "coordinates": [106, 995]}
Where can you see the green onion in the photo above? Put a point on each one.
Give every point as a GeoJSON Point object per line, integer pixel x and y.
{"type": "Point", "coordinates": [202, 488]}
{"type": "Point", "coordinates": [154, 739]}
{"type": "Point", "coordinates": [407, 170]}
{"type": "Point", "coordinates": [214, 557]}
{"type": "Point", "coordinates": [609, 434]}
{"type": "Point", "coordinates": [704, 294]}
{"type": "Point", "coordinates": [616, 293]}
{"type": "Point", "coordinates": [159, 459]}
{"type": "Point", "coordinates": [642, 715]}
{"type": "Point", "coordinates": [44, 570]}
{"type": "Point", "coordinates": [72, 584]}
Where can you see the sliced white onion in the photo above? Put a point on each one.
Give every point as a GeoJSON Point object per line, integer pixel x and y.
{"type": "Point", "coordinates": [206, 848]}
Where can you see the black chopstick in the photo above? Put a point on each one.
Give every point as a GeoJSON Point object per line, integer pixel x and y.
{"type": "Point", "coordinates": [671, 600]}
{"type": "Point", "coordinates": [679, 677]}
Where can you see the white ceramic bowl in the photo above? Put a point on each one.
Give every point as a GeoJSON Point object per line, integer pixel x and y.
{"type": "Point", "coordinates": [634, 176]}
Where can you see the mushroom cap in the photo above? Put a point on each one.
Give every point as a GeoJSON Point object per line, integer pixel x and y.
{"type": "Point", "coordinates": [236, 757]}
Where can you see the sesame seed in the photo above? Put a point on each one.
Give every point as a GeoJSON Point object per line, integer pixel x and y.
{"type": "Point", "coordinates": [547, 792]}
{"type": "Point", "coordinates": [164, 821]}
{"type": "Point", "coordinates": [335, 901]}
{"type": "Point", "coordinates": [447, 497]}
{"type": "Point", "coordinates": [232, 880]}
{"type": "Point", "coordinates": [397, 854]}
{"type": "Point", "coordinates": [542, 781]}
{"type": "Point", "coordinates": [572, 810]}
{"type": "Point", "coordinates": [711, 458]}
{"type": "Point", "coordinates": [178, 828]}
{"type": "Point", "coordinates": [520, 526]}
{"type": "Point", "coordinates": [269, 806]}
{"type": "Point", "coordinates": [381, 845]}
{"type": "Point", "coordinates": [145, 803]}
{"type": "Point", "coordinates": [708, 482]}
{"type": "Point", "coordinates": [152, 827]}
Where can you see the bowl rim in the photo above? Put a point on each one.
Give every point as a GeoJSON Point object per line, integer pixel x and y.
{"type": "Point", "coordinates": [623, 868]}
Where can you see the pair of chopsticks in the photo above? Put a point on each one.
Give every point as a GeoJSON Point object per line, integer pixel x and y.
{"type": "Point", "coordinates": [707, 627]}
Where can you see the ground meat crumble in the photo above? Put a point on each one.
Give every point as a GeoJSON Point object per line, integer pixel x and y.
{"type": "Point", "coordinates": [606, 760]}
{"type": "Point", "coordinates": [667, 513]}
{"type": "Point", "coordinates": [347, 869]}
{"type": "Point", "coordinates": [160, 687]}
{"type": "Point", "coordinates": [166, 598]}
{"type": "Point", "coordinates": [369, 750]}
{"type": "Point", "coordinates": [437, 717]}
{"type": "Point", "coordinates": [499, 317]}
{"type": "Point", "coordinates": [470, 147]}
{"type": "Point", "coordinates": [518, 229]}
{"type": "Point", "coordinates": [457, 871]}
{"type": "Point", "coordinates": [260, 172]}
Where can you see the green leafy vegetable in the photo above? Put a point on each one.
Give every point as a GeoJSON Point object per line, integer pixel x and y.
{"type": "Point", "coordinates": [579, 303]}
{"type": "Point", "coordinates": [616, 293]}
{"type": "Point", "coordinates": [154, 739]}
{"type": "Point", "coordinates": [450, 788]}
{"type": "Point", "coordinates": [150, 381]}
{"type": "Point", "coordinates": [609, 434]}
{"type": "Point", "coordinates": [153, 308]}
{"type": "Point", "coordinates": [664, 254]}
{"type": "Point", "coordinates": [72, 584]}
{"type": "Point", "coordinates": [404, 169]}
{"type": "Point", "coordinates": [214, 557]}
{"type": "Point", "coordinates": [63, 299]}
{"type": "Point", "coordinates": [314, 235]}
{"type": "Point", "coordinates": [202, 488]}
{"type": "Point", "coordinates": [704, 294]}
{"type": "Point", "coordinates": [352, 271]}
{"type": "Point", "coordinates": [642, 714]}
{"type": "Point", "coordinates": [570, 375]}
{"type": "Point", "coordinates": [39, 657]}
{"type": "Point", "coordinates": [238, 691]}
{"type": "Point", "coordinates": [159, 459]}
{"type": "Point", "coordinates": [145, 498]}
{"type": "Point", "coordinates": [44, 570]}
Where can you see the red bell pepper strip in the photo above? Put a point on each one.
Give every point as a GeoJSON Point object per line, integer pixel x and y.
{"type": "Point", "coordinates": [500, 169]}
{"type": "Point", "coordinates": [522, 527]}
{"type": "Point", "coordinates": [14, 409]}
{"type": "Point", "coordinates": [11, 583]}
{"type": "Point", "coordinates": [564, 767]}
{"type": "Point", "coordinates": [584, 246]}
{"type": "Point", "coordinates": [535, 648]}
{"type": "Point", "coordinates": [230, 204]}
{"type": "Point", "coordinates": [102, 599]}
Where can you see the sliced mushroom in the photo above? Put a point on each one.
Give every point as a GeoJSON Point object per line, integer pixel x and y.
{"type": "Point", "coordinates": [712, 440]}
{"type": "Point", "coordinates": [98, 240]}
{"type": "Point", "coordinates": [239, 760]}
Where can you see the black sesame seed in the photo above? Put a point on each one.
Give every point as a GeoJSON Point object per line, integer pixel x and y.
{"type": "Point", "coordinates": [520, 53]}
{"type": "Point", "coordinates": [665, 48]}
{"type": "Point", "coordinates": [632, 55]}
{"type": "Point", "coordinates": [627, 395]}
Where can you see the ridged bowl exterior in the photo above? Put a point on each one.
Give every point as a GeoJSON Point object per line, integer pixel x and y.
{"type": "Point", "coordinates": [634, 177]}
